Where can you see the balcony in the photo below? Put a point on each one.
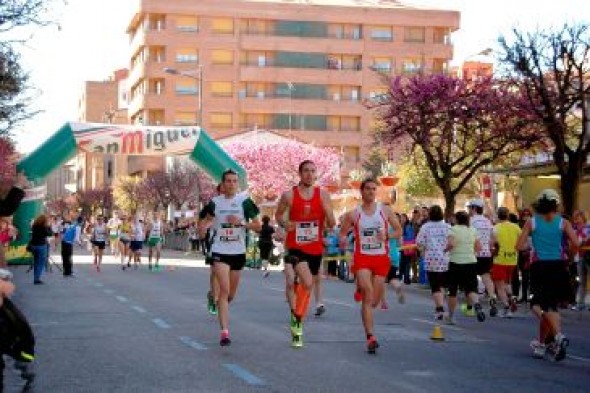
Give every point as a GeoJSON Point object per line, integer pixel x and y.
{"type": "Point", "coordinates": [255, 72]}
{"type": "Point", "coordinates": [257, 103]}
{"type": "Point", "coordinates": [296, 44]}
{"type": "Point", "coordinates": [150, 100]}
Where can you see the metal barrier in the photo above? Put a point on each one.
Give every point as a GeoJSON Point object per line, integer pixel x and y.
{"type": "Point", "coordinates": [176, 241]}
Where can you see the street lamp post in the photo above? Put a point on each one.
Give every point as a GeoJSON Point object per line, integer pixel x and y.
{"type": "Point", "coordinates": [199, 78]}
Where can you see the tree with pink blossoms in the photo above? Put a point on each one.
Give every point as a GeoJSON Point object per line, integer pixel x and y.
{"type": "Point", "coordinates": [272, 167]}
{"type": "Point", "coordinates": [96, 199]}
{"type": "Point", "coordinates": [7, 164]}
{"type": "Point", "coordinates": [461, 126]}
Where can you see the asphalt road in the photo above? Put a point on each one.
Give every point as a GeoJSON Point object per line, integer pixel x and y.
{"type": "Point", "coordinates": [137, 331]}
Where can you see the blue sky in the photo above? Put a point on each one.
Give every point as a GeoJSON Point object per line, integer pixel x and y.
{"type": "Point", "coordinates": [91, 43]}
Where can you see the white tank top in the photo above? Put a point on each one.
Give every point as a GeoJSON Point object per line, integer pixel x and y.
{"type": "Point", "coordinates": [228, 239]}
{"type": "Point", "coordinates": [156, 231]}
{"type": "Point", "coordinates": [100, 233]}
{"type": "Point", "coordinates": [366, 229]}
{"type": "Point", "coordinates": [138, 234]}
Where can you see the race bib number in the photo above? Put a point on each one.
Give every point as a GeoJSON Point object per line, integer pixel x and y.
{"type": "Point", "coordinates": [113, 232]}
{"type": "Point", "coordinates": [307, 232]}
{"type": "Point", "coordinates": [370, 241]}
{"type": "Point", "coordinates": [510, 254]}
{"type": "Point", "coordinates": [228, 234]}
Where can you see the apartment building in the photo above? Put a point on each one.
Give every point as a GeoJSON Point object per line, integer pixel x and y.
{"type": "Point", "coordinates": [299, 68]}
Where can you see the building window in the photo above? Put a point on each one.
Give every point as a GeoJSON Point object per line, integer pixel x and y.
{"type": "Point", "coordinates": [381, 33]}
{"type": "Point", "coordinates": [222, 57]}
{"type": "Point", "coordinates": [221, 119]}
{"type": "Point", "coordinates": [185, 118]}
{"type": "Point", "coordinates": [187, 24]}
{"type": "Point", "coordinates": [222, 89]}
{"type": "Point", "coordinates": [188, 55]}
{"type": "Point", "coordinates": [412, 66]}
{"type": "Point", "coordinates": [441, 35]}
{"type": "Point", "coordinates": [223, 26]}
{"type": "Point", "coordinates": [186, 86]}
{"type": "Point", "coordinates": [415, 34]}
{"type": "Point", "coordinates": [382, 64]}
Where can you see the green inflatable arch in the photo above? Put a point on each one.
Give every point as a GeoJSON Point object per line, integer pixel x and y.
{"type": "Point", "coordinates": [110, 139]}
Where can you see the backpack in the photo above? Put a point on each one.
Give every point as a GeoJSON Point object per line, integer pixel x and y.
{"type": "Point", "coordinates": [16, 336]}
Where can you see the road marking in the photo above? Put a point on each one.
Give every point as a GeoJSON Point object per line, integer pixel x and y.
{"type": "Point", "coordinates": [139, 309]}
{"type": "Point", "coordinates": [122, 299]}
{"type": "Point", "coordinates": [98, 285]}
{"type": "Point", "coordinates": [192, 343]}
{"type": "Point", "coordinates": [244, 374]}
{"type": "Point", "coordinates": [108, 291]}
{"type": "Point", "coordinates": [583, 359]}
{"type": "Point", "coordinates": [160, 323]}
{"type": "Point", "coordinates": [331, 301]}
{"type": "Point", "coordinates": [450, 327]}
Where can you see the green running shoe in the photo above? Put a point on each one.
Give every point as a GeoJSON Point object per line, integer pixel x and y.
{"type": "Point", "coordinates": [468, 312]}
{"type": "Point", "coordinates": [297, 341]}
{"type": "Point", "coordinates": [211, 306]}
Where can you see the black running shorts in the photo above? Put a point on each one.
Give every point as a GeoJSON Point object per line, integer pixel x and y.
{"type": "Point", "coordinates": [235, 261]}
{"type": "Point", "coordinates": [550, 284]}
{"type": "Point", "coordinates": [484, 265]}
{"type": "Point", "coordinates": [462, 276]}
{"type": "Point", "coordinates": [437, 280]}
{"type": "Point", "coordinates": [293, 257]}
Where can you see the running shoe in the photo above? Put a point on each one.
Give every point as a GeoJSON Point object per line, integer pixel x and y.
{"type": "Point", "coordinates": [468, 312]}
{"type": "Point", "coordinates": [157, 268]}
{"type": "Point", "coordinates": [539, 349]}
{"type": "Point", "coordinates": [225, 340]}
{"type": "Point", "coordinates": [320, 309]}
{"type": "Point", "coordinates": [493, 308]}
{"type": "Point", "coordinates": [296, 341]}
{"type": "Point", "coordinates": [296, 326]}
{"type": "Point", "coordinates": [358, 296]}
{"type": "Point", "coordinates": [557, 349]}
{"type": "Point", "coordinates": [372, 345]}
{"type": "Point", "coordinates": [513, 304]}
{"type": "Point", "coordinates": [266, 274]}
{"type": "Point", "coordinates": [211, 306]}
{"type": "Point", "coordinates": [439, 315]}
{"type": "Point", "coordinates": [481, 316]}
{"type": "Point", "coordinates": [384, 306]}
{"type": "Point", "coordinates": [579, 307]}
{"type": "Point", "coordinates": [150, 267]}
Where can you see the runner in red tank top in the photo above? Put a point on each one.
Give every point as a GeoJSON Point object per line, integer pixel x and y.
{"type": "Point", "coordinates": [371, 221]}
{"type": "Point", "coordinates": [303, 212]}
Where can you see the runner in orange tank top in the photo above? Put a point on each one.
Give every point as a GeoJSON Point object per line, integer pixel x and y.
{"type": "Point", "coordinates": [304, 211]}
{"type": "Point", "coordinates": [370, 221]}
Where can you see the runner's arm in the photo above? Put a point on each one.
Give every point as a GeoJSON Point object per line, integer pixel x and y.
{"type": "Point", "coordinates": [394, 222]}
{"type": "Point", "coordinates": [329, 211]}
{"type": "Point", "coordinates": [523, 240]}
{"type": "Point", "coordinates": [252, 215]}
{"type": "Point", "coordinates": [574, 243]}
{"type": "Point", "coordinates": [282, 208]}
{"type": "Point", "coordinates": [345, 227]}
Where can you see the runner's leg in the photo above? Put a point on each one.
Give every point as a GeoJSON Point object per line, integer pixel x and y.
{"type": "Point", "coordinates": [222, 273]}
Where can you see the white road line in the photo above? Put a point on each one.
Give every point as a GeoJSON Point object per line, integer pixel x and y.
{"type": "Point", "coordinates": [98, 285]}
{"type": "Point", "coordinates": [450, 327]}
{"type": "Point", "coordinates": [244, 374]}
{"type": "Point", "coordinates": [122, 299]}
{"type": "Point", "coordinates": [192, 343]}
{"type": "Point", "coordinates": [140, 310]}
{"type": "Point", "coordinates": [108, 291]}
{"type": "Point", "coordinates": [580, 358]}
{"type": "Point", "coordinates": [161, 323]}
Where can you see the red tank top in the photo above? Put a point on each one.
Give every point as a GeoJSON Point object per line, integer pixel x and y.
{"type": "Point", "coordinates": [308, 216]}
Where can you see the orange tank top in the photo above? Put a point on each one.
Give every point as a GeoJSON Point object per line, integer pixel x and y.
{"type": "Point", "coordinates": [308, 216]}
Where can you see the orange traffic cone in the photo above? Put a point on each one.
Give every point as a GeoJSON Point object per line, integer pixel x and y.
{"type": "Point", "coordinates": [437, 334]}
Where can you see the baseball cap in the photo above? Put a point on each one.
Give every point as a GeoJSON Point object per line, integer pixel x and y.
{"type": "Point", "coordinates": [475, 203]}
{"type": "Point", "coordinates": [548, 194]}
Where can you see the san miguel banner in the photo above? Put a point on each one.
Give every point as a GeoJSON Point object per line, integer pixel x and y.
{"type": "Point", "coordinates": [123, 139]}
